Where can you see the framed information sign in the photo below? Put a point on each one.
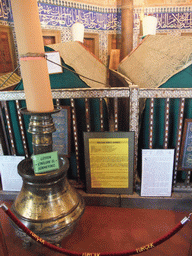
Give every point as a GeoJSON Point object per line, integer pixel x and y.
{"type": "Point", "coordinates": [62, 135]}
{"type": "Point", "coordinates": [185, 160]}
{"type": "Point", "coordinates": [109, 162]}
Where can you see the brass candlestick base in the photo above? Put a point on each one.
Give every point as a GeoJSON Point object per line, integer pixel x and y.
{"type": "Point", "coordinates": [47, 204]}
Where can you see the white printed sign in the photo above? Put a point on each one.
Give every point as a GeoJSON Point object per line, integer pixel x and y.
{"type": "Point", "coordinates": [10, 179]}
{"type": "Point", "coordinates": [157, 172]}
{"type": "Point", "coordinates": [54, 62]}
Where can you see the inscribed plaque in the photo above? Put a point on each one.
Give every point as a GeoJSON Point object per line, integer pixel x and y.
{"type": "Point", "coordinates": [109, 162]}
{"type": "Point", "coordinates": [157, 172]}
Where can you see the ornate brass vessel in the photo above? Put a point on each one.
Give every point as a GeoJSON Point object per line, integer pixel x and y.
{"type": "Point", "coordinates": [47, 204]}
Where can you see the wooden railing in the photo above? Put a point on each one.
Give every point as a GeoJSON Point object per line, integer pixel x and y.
{"type": "Point", "coordinates": [124, 111]}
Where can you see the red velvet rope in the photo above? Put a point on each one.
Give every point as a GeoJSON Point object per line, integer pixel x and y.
{"type": "Point", "coordinates": [144, 248]}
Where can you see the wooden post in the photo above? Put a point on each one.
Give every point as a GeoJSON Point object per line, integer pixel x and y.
{"type": "Point", "coordinates": [126, 27]}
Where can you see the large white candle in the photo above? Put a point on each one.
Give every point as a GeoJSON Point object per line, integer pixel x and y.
{"type": "Point", "coordinates": [34, 70]}
{"type": "Point", "coordinates": [149, 25]}
{"type": "Point", "coordinates": [77, 32]}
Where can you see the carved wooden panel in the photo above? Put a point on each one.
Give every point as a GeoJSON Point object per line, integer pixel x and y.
{"type": "Point", "coordinates": [51, 36]}
{"type": "Point", "coordinates": [91, 41]}
{"type": "Point", "coordinates": [7, 55]}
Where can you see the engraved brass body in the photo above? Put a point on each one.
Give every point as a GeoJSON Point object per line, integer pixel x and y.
{"type": "Point", "coordinates": [47, 204]}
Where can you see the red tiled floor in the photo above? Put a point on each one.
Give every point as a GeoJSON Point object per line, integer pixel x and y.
{"type": "Point", "coordinates": [114, 229]}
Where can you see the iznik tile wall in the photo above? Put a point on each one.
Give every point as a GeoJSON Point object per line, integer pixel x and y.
{"type": "Point", "coordinates": [5, 11]}
{"type": "Point", "coordinates": [94, 18]}
{"type": "Point", "coordinates": [61, 15]}
{"type": "Point", "coordinates": [171, 20]}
